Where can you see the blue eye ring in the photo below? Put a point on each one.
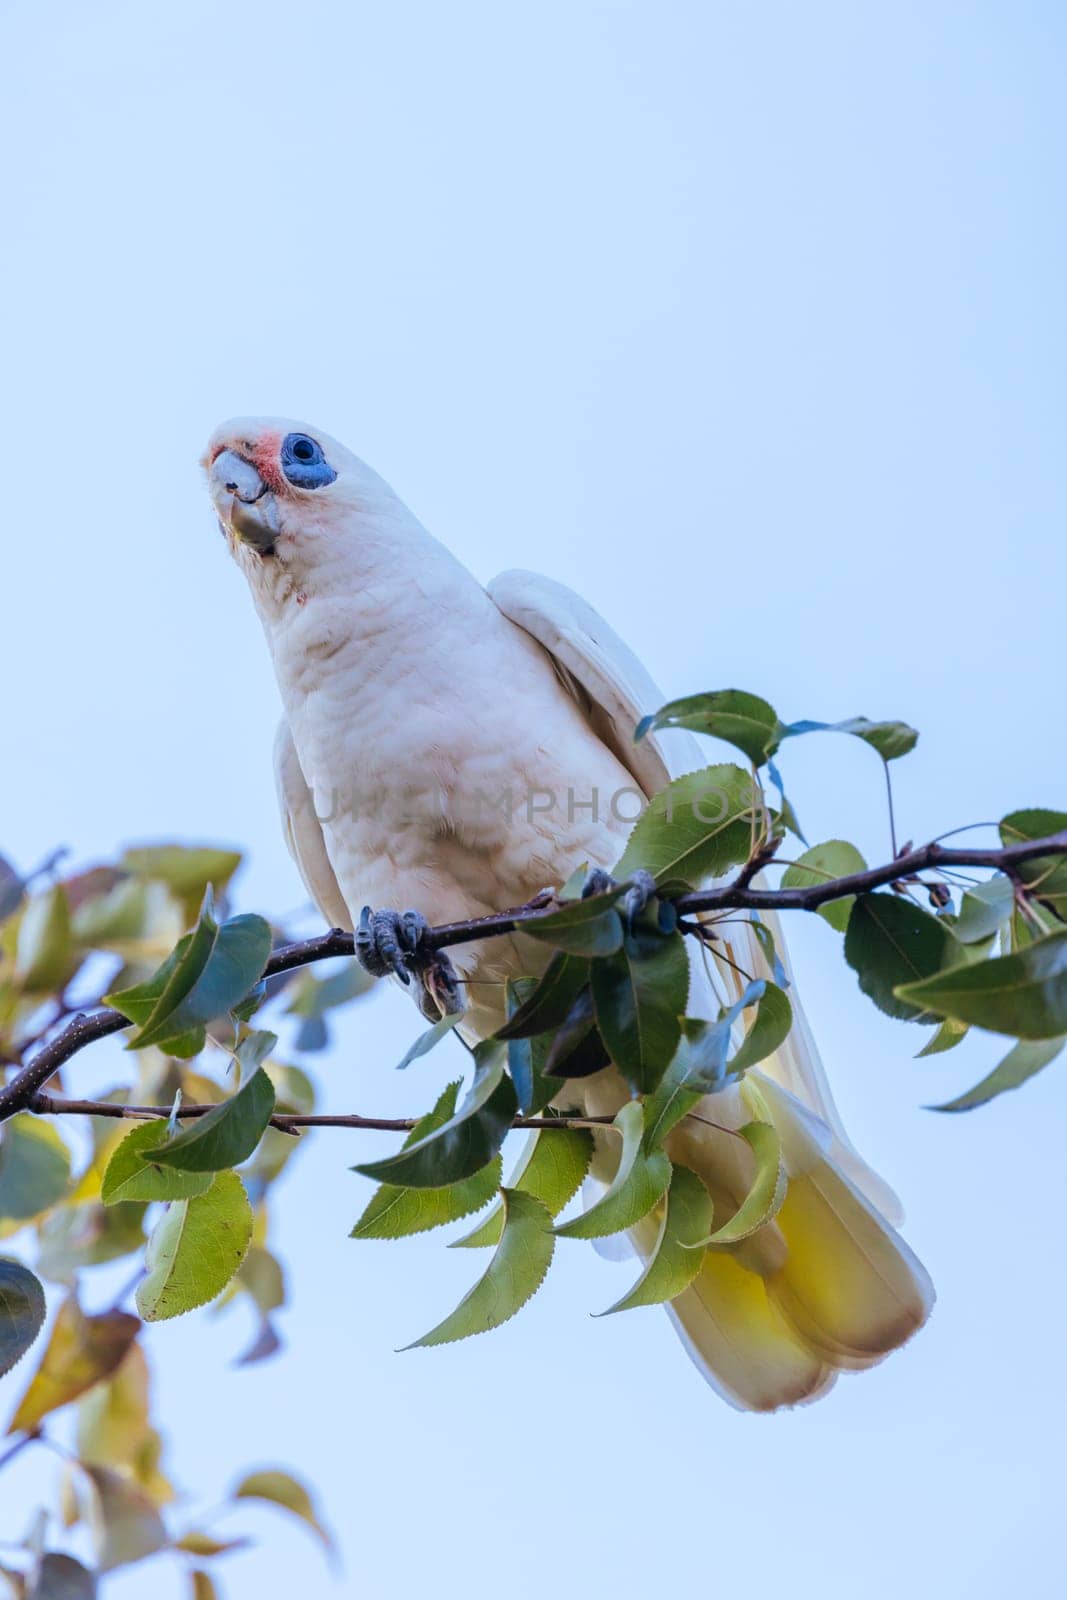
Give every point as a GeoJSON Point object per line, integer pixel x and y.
{"type": "Point", "coordinates": [303, 462]}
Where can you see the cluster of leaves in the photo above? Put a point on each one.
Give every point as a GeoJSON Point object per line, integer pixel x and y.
{"type": "Point", "coordinates": [616, 990]}
{"type": "Point", "coordinates": [612, 982]}
{"type": "Point", "coordinates": [72, 1211]}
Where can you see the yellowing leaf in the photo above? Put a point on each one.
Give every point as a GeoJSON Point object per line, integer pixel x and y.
{"type": "Point", "coordinates": [195, 1250]}
{"type": "Point", "coordinates": [114, 1430]}
{"type": "Point", "coordinates": [204, 1545]}
{"type": "Point", "coordinates": [282, 1489]}
{"type": "Point", "coordinates": [515, 1273]}
{"type": "Point", "coordinates": [81, 1352]}
{"type": "Point", "coordinates": [187, 869]}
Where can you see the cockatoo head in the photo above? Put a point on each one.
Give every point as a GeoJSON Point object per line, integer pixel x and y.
{"type": "Point", "coordinates": [288, 496]}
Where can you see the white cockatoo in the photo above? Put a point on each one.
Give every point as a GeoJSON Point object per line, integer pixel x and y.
{"type": "Point", "coordinates": [457, 749]}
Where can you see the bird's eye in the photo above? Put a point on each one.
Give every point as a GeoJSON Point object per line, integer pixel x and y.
{"type": "Point", "coordinates": [304, 463]}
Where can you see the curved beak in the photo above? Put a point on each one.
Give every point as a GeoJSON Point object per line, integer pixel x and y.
{"type": "Point", "coordinates": [244, 502]}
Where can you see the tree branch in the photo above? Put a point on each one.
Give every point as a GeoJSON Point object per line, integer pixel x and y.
{"type": "Point", "coordinates": [286, 1122]}
{"type": "Point", "coordinates": [737, 894]}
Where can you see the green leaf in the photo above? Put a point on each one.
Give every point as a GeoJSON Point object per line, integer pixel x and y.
{"type": "Point", "coordinates": [834, 859]}
{"type": "Point", "coordinates": [699, 1067]}
{"type": "Point", "coordinates": [514, 1275]}
{"type": "Point", "coordinates": [695, 828]}
{"type": "Point", "coordinates": [126, 1524]}
{"type": "Point", "coordinates": [282, 1489]}
{"type": "Point", "coordinates": [87, 1235]}
{"type": "Point", "coordinates": [148, 1004]}
{"type": "Point", "coordinates": [1047, 875]}
{"type": "Point", "coordinates": [589, 927]}
{"type": "Point", "coordinates": [467, 1142]}
{"type": "Point", "coordinates": [81, 1352]}
{"type": "Point", "coordinates": [206, 975]}
{"type": "Point", "coordinates": [235, 963]}
{"type": "Point", "coordinates": [767, 1192]}
{"type": "Point", "coordinates": [22, 1309]}
{"type": "Point", "coordinates": [640, 1181]}
{"type": "Point", "coordinates": [676, 1258]}
{"type": "Point", "coordinates": [947, 1037]}
{"type": "Point", "coordinates": [639, 995]}
{"type": "Point", "coordinates": [195, 1250]}
{"type": "Point", "coordinates": [551, 1168]}
{"type": "Point", "coordinates": [132, 1174]}
{"type": "Point", "coordinates": [34, 1167]}
{"type": "Point", "coordinates": [891, 739]}
{"type": "Point", "coordinates": [225, 1135]}
{"type": "Point", "coordinates": [984, 909]}
{"type": "Point", "coordinates": [770, 1029]}
{"type": "Point", "coordinates": [432, 1036]}
{"type": "Point", "coordinates": [1026, 1058]}
{"type": "Point", "coordinates": [527, 1057]}
{"type": "Point", "coordinates": [44, 954]}
{"type": "Point", "coordinates": [765, 940]}
{"type": "Point", "coordinates": [576, 1049]}
{"type": "Point", "coordinates": [1024, 994]}
{"type": "Point", "coordinates": [393, 1212]}
{"type": "Point", "coordinates": [891, 942]}
{"type": "Point", "coordinates": [547, 1005]}
{"type": "Point", "coordinates": [741, 719]}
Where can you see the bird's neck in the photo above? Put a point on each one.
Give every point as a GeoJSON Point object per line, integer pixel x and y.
{"type": "Point", "coordinates": [339, 624]}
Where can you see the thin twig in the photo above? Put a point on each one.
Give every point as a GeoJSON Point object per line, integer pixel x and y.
{"type": "Point", "coordinates": [19, 1445]}
{"type": "Point", "coordinates": [737, 893]}
{"type": "Point", "coordinates": [58, 1105]}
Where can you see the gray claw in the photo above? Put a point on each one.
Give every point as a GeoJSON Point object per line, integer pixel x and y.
{"type": "Point", "coordinates": [642, 888]}
{"type": "Point", "coordinates": [393, 942]}
{"type": "Point", "coordinates": [378, 946]}
{"type": "Point", "coordinates": [597, 882]}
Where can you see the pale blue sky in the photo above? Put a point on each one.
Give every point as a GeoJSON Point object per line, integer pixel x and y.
{"type": "Point", "coordinates": [748, 321]}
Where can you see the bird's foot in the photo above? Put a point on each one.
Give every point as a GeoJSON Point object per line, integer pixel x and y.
{"type": "Point", "coordinates": [640, 890]}
{"type": "Point", "coordinates": [394, 942]}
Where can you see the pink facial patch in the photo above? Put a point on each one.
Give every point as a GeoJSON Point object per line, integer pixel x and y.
{"type": "Point", "coordinates": [265, 458]}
